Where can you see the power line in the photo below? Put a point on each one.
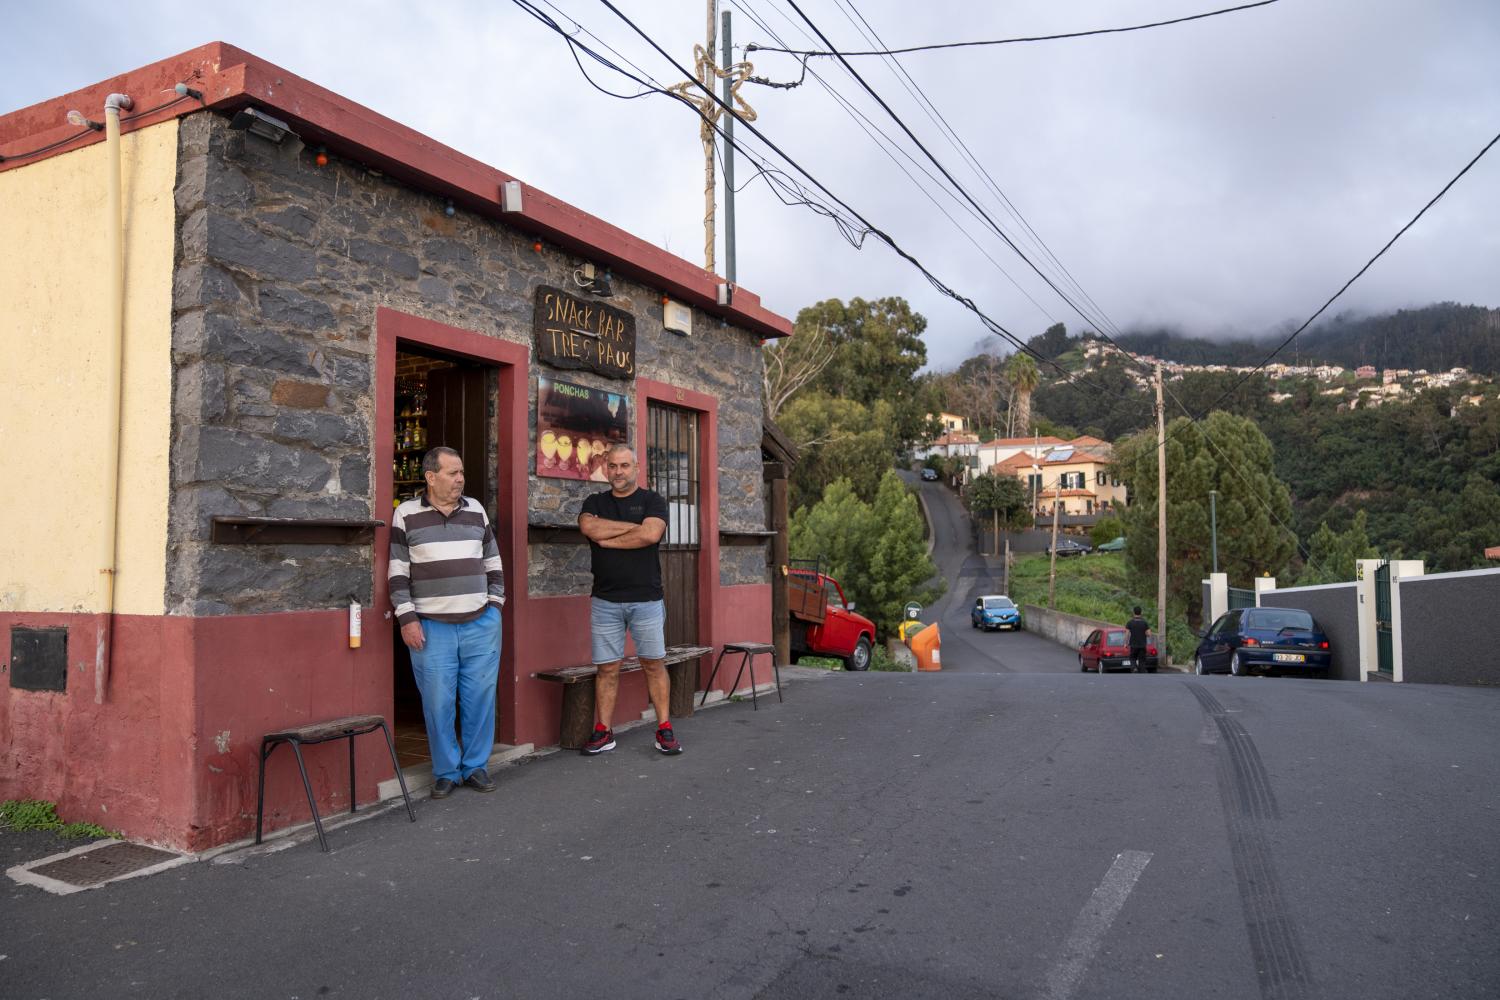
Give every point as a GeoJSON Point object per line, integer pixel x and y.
{"type": "Point", "coordinates": [865, 228]}
{"type": "Point", "coordinates": [1357, 275]}
{"type": "Point", "coordinates": [954, 139]}
{"type": "Point", "coordinates": [830, 51]}
{"type": "Point", "coordinates": [937, 163]}
{"type": "Point", "coordinates": [872, 130]}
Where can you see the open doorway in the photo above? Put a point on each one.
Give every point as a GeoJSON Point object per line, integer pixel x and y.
{"type": "Point", "coordinates": [440, 400]}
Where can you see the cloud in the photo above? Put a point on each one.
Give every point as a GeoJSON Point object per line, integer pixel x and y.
{"type": "Point", "coordinates": [1224, 175]}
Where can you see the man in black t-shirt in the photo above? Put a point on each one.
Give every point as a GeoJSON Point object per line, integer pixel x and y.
{"type": "Point", "coordinates": [624, 527]}
{"type": "Point", "coordinates": [1139, 630]}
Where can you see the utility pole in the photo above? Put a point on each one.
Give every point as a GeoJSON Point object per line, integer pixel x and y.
{"type": "Point", "coordinates": [1161, 524]}
{"type": "Point", "coordinates": [728, 156]}
{"type": "Point", "coordinates": [706, 77]}
{"type": "Point", "coordinates": [1213, 520]}
{"type": "Point", "coordinates": [1052, 568]}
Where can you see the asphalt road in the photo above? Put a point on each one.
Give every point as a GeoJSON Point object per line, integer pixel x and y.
{"type": "Point", "coordinates": [1008, 827]}
{"type": "Point", "coordinates": [969, 575]}
{"type": "Point", "coordinates": [877, 835]}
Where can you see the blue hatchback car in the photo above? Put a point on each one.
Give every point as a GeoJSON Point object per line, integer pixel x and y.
{"type": "Point", "coordinates": [995, 611]}
{"type": "Point", "coordinates": [1263, 640]}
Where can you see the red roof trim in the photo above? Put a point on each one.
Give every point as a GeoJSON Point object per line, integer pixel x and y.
{"type": "Point", "coordinates": [231, 78]}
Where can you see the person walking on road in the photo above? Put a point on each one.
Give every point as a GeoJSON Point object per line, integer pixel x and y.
{"type": "Point", "coordinates": [1139, 630]}
{"type": "Point", "coordinates": [624, 526]}
{"type": "Point", "coordinates": [447, 586]}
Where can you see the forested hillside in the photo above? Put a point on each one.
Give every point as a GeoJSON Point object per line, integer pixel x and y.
{"type": "Point", "coordinates": [1436, 337]}
{"type": "Point", "coordinates": [1427, 472]}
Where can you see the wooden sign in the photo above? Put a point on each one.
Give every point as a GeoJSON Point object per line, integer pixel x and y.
{"type": "Point", "coordinates": [578, 333]}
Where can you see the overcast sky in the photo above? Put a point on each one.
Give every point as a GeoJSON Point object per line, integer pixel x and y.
{"type": "Point", "coordinates": [1221, 176]}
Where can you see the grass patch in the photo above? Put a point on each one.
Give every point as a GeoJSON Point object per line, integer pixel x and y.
{"type": "Point", "coordinates": [880, 659]}
{"type": "Point", "coordinates": [36, 814]}
{"type": "Point", "coordinates": [1093, 586]}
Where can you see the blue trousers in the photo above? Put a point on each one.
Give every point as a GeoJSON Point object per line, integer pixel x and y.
{"type": "Point", "coordinates": [462, 663]}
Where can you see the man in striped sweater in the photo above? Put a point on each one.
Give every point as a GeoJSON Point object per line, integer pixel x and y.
{"type": "Point", "coordinates": [447, 585]}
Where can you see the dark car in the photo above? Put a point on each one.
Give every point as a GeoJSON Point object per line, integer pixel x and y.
{"type": "Point", "coordinates": [1109, 649]}
{"type": "Point", "coordinates": [994, 611]}
{"type": "Point", "coordinates": [1071, 547]}
{"type": "Point", "coordinates": [1263, 640]}
{"type": "Point", "coordinates": [930, 475]}
{"type": "Point", "coordinates": [1113, 545]}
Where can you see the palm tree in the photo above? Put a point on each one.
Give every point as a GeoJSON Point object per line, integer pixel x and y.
{"type": "Point", "coordinates": [1022, 374]}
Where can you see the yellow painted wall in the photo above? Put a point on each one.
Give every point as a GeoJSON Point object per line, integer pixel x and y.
{"type": "Point", "coordinates": [54, 320]}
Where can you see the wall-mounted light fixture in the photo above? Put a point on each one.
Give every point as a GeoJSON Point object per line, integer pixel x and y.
{"type": "Point", "coordinates": [510, 196]}
{"type": "Point", "coordinates": [593, 280]}
{"type": "Point", "coordinates": [183, 90]}
{"type": "Point", "coordinates": [77, 119]}
{"type": "Point", "coordinates": [321, 156]}
{"type": "Point", "coordinates": [261, 124]}
{"type": "Point", "coordinates": [448, 209]}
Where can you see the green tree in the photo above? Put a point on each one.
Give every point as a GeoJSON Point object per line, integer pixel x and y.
{"type": "Point", "coordinates": [1253, 506]}
{"type": "Point", "coordinates": [1051, 342]}
{"type": "Point", "coordinates": [1332, 555]}
{"type": "Point", "coordinates": [878, 350]}
{"type": "Point", "coordinates": [837, 438]}
{"type": "Point", "coordinates": [1022, 374]}
{"type": "Point", "coordinates": [836, 530]}
{"type": "Point", "coordinates": [900, 570]}
{"type": "Point", "coordinates": [1002, 499]}
{"type": "Point", "coordinates": [875, 551]}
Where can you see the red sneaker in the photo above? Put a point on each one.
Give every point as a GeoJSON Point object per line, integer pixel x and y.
{"type": "Point", "coordinates": [666, 742]}
{"type": "Point", "coordinates": [604, 739]}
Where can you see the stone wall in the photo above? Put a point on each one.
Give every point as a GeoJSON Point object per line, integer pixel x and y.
{"type": "Point", "coordinates": [280, 266]}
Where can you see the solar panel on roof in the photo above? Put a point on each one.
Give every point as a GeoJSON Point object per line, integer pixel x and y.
{"type": "Point", "coordinates": [1060, 454]}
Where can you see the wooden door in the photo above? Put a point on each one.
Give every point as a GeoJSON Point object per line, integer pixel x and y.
{"type": "Point", "coordinates": [457, 407]}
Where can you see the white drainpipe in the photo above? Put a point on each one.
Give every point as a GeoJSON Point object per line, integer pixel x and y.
{"type": "Point", "coordinates": [115, 376]}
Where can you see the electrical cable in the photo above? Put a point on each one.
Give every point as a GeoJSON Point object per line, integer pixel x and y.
{"type": "Point", "coordinates": [865, 228]}
{"type": "Point", "coordinates": [937, 163]}
{"type": "Point", "coordinates": [830, 51]}
{"type": "Point", "coordinates": [956, 141]}
{"type": "Point", "coordinates": [872, 130]}
{"type": "Point", "coordinates": [88, 131]}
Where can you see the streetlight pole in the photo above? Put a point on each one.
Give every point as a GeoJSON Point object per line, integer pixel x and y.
{"type": "Point", "coordinates": [1052, 565]}
{"type": "Point", "coordinates": [1213, 520]}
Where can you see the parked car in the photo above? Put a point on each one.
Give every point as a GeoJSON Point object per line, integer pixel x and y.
{"type": "Point", "coordinates": [1071, 547]}
{"type": "Point", "coordinates": [1113, 545]}
{"type": "Point", "coordinates": [1109, 649]}
{"type": "Point", "coordinates": [823, 624]}
{"type": "Point", "coordinates": [994, 611]}
{"type": "Point", "coordinates": [1263, 640]}
{"type": "Point", "coordinates": [930, 475]}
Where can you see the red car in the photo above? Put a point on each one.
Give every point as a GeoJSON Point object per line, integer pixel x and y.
{"type": "Point", "coordinates": [1109, 649]}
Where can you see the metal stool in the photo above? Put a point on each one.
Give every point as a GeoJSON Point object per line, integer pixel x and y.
{"type": "Point", "coordinates": [322, 732]}
{"type": "Point", "coordinates": [749, 650]}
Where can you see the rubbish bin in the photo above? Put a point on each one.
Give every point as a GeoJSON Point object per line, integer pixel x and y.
{"type": "Point", "coordinates": [927, 645]}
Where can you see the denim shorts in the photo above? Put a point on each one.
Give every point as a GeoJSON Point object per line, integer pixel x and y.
{"type": "Point", "coordinates": [646, 620]}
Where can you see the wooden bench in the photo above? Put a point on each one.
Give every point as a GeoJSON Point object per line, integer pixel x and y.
{"type": "Point", "coordinates": [578, 697]}
{"type": "Point", "coordinates": [321, 732]}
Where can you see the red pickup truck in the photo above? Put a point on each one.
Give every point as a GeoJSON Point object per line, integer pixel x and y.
{"type": "Point", "coordinates": [824, 624]}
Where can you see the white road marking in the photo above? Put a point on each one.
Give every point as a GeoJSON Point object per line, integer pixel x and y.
{"type": "Point", "coordinates": [1092, 924]}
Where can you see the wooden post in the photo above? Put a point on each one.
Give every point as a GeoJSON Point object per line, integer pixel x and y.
{"type": "Point", "coordinates": [1161, 526]}
{"type": "Point", "coordinates": [781, 625]}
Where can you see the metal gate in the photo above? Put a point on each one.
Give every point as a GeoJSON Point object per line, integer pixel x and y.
{"type": "Point", "coordinates": [1386, 660]}
{"type": "Point", "coordinates": [1239, 597]}
{"type": "Point", "coordinates": [672, 470]}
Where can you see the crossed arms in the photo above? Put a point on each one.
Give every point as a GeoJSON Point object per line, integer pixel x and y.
{"type": "Point", "coordinates": [621, 534]}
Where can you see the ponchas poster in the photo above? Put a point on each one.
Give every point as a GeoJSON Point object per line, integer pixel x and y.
{"type": "Point", "coordinates": [575, 426]}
